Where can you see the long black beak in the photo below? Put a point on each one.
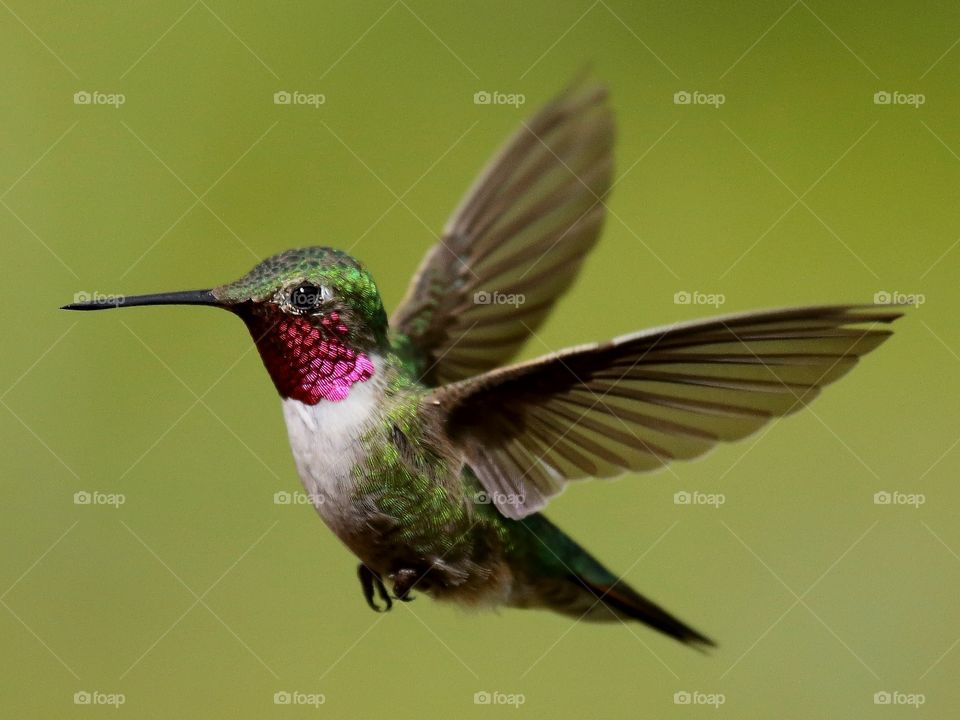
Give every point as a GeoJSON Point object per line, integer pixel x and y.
{"type": "Point", "coordinates": [187, 297]}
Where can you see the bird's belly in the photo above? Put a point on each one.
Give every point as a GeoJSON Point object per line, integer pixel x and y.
{"type": "Point", "coordinates": [326, 443]}
{"type": "Point", "coordinates": [325, 440]}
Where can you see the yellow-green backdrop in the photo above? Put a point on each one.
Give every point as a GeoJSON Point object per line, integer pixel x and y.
{"type": "Point", "coordinates": [785, 180]}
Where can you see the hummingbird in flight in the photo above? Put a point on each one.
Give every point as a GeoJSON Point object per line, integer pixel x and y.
{"type": "Point", "coordinates": [431, 458]}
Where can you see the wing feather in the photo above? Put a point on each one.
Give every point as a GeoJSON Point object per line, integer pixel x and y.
{"type": "Point", "coordinates": [641, 401]}
{"type": "Point", "coordinates": [522, 231]}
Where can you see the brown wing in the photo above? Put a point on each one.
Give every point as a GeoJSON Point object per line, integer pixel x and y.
{"type": "Point", "coordinates": [643, 400]}
{"type": "Point", "coordinates": [515, 243]}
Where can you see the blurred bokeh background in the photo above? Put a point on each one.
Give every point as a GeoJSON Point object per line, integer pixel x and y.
{"type": "Point", "coordinates": [184, 590]}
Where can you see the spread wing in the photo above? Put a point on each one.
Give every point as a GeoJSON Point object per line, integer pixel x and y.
{"type": "Point", "coordinates": [643, 400]}
{"type": "Point", "coordinates": [514, 244]}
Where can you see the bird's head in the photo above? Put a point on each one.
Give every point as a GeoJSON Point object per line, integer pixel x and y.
{"type": "Point", "coordinates": [315, 314]}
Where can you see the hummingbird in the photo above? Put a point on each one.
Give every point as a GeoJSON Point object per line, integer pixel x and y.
{"type": "Point", "coordinates": [431, 457]}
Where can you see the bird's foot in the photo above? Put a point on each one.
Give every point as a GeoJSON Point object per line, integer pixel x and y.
{"type": "Point", "coordinates": [404, 581]}
{"type": "Point", "coordinates": [370, 580]}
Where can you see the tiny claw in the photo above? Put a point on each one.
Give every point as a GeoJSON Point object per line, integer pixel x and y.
{"type": "Point", "coordinates": [370, 580]}
{"type": "Point", "coordinates": [403, 582]}
{"type": "Point", "coordinates": [384, 595]}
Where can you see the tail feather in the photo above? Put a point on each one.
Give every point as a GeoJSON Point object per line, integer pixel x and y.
{"type": "Point", "coordinates": [624, 600]}
{"type": "Point", "coordinates": [559, 574]}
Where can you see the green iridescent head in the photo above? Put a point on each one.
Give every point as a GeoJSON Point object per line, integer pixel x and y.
{"type": "Point", "coordinates": [311, 282]}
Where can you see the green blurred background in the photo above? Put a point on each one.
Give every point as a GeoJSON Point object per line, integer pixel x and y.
{"type": "Point", "coordinates": [201, 597]}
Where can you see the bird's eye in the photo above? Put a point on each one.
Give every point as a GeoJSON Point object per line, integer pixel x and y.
{"type": "Point", "coordinates": [305, 298]}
